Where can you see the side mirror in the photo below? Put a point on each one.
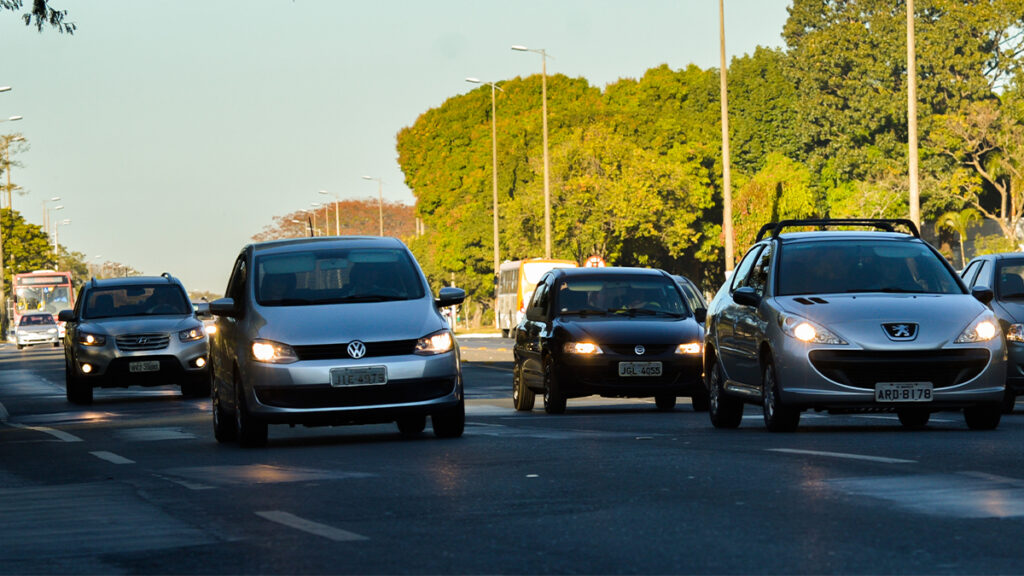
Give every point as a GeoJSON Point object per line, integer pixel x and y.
{"type": "Point", "coordinates": [449, 296]}
{"type": "Point", "coordinates": [746, 297]}
{"type": "Point", "coordinates": [224, 307]}
{"type": "Point", "coordinates": [701, 314]}
{"type": "Point", "coordinates": [983, 295]}
{"type": "Point", "coordinates": [202, 308]}
{"type": "Point", "coordinates": [66, 316]}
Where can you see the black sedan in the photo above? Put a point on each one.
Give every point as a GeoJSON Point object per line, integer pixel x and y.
{"type": "Point", "coordinates": [614, 332]}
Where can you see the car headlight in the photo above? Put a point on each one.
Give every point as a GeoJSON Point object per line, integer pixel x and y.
{"type": "Point", "coordinates": [984, 328]}
{"type": "Point", "coordinates": [91, 339]}
{"type": "Point", "coordinates": [192, 334]}
{"type": "Point", "coordinates": [1015, 333]}
{"type": "Point", "coordinates": [807, 331]}
{"type": "Point", "coordinates": [211, 329]}
{"type": "Point", "coordinates": [436, 343]}
{"type": "Point", "coordinates": [273, 352]}
{"type": "Point", "coordinates": [689, 348]}
{"type": "Point", "coordinates": [582, 348]}
{"type": "Point", "coordinates": [51, 331]}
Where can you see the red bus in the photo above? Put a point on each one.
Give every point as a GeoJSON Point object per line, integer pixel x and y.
{"type": "Point", "coordinates": [41, 291]}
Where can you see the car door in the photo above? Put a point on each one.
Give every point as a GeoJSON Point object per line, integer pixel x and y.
{"type": "Point", "coordinates": [530, 336]}
{"type": "Point", "coordinates": [725, 323]}
{"type": "Point", "coordinates": [750, 324]}
{"type": "Point", "coordinates": [224, 347]}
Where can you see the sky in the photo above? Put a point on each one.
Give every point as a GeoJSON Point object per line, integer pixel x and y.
{"type": "Point", "coordinates": [175, 130]}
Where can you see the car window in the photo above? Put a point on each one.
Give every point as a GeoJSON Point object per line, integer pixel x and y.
{"type": "Point", "coordinates": [758, 277]}
{"type": "Point", "coordinates": [620, 294]}
{"type": "Point", "coordinates": [984, 278]}
{"type": "Point", "coordinates": [693, 296]}
{"type": "Point", "coordinates": [236, 285]}
{"type": "Point", "coordinates": [852, 266]}
{"type": "Point", "coordinates": [1011, 280]}
{"type": "Point", "coordinates": [136, 300]}
{"type": "Point", "coordinates": [37, 320]}
{"type": "Point", "coordinates": [971, 272]}
{"type": "Point", "coordinates": [338, 275]}
{"type": "Point", "coordinates": [739, 276]}
{"type": "Point", "coordinates": [538, 309]}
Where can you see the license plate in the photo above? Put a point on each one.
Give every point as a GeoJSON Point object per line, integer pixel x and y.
{"type": "Point", "coordinates": [362, 376]}
{"type": "Point", "coordinates": [630, 369]}
{"type": "Point", "coordinates": [903, 392]}
{"type": "Point", "coordinates": [145, 366]}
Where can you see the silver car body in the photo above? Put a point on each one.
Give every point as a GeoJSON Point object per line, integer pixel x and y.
{"type": "Point", "coordinates": [882, 339]}
{"type": "Point", "coordinates": [37, 329]}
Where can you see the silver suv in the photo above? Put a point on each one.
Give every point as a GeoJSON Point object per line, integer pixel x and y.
{"type": "Point", "coordinates": [138, 331]}
{"type": "Point", "coordinates": [848, 320]}
{"type": "Point", "coordinates": [330, 331]}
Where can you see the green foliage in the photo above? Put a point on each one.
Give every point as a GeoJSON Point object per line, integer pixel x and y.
{"type": "Point", "coordinates": [782, 189]}
{"type": "Point", "coordinates": [994, 244]}
{"type": "Point", "coordinates": [25, 246]}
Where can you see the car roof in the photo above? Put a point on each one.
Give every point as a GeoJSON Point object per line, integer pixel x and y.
{"type": "Point", "coordinates": [1004, 256]}
{"type": "Point", "coordinates": [861, 235]}
{"type": "Point", "coordinates": [300, 244]}
{"type": "Point", "coordinates": [132, 281]}
{"type": "Point", "coordinates": [607, 271]}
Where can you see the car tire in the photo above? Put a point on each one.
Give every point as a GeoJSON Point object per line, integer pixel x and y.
{"type": "Point", "coordinates": [224, 429]}
{"type": "Point", "coordinates": [523, 397]}
{"type": "Point", "coordinates": [250, 431]}
{"type": "Point", "coordinates": [665, 403]}
{"type": "Point", "coordinates": [21, 346]}
{"type": "Point", "coordinates": [504, 332]}
{"type": "Point", "coordinates": [56, 344]}
{"type": "Point", "coordinates": [699, 401]}
{"type": "Point", "coordinates": [449, 423]}
{"type": "Point", "coordinates": [777, 417]}
{"type": "Point", "coordinates": [913, 418]}
{"type": "Point", "coordinates": [554, 398]}
{"type": "Point", "coordinates": [77, 391]}
{"type": "Point", "coordinates": [983, 416]}
{"type": "Point", "coordinates": [1009, 401]}
{"type": "Point", "coordinates": [725, 411]}
{"type": "Point", "coordinates": [411, 425]}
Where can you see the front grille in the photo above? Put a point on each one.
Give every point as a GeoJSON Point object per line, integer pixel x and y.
{"type": "Point", "coordinates": [325, 396]}
{"type": "Point", "coordinates": [133, 342]}
{"type": "Point", "coordinates": [630, 349]}
{"type": "Point", "coordinates": [865, 368]}
{"type": "Point", "coordinates": [340, 351]}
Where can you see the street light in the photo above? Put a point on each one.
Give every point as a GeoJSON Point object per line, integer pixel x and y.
{"type": "Point", "coordinates": [337, 221]}
{"type": "Point", "coordinates": [3, 299]}
{"type": "Point", "coordinates": [380, 200]}
{"type": "Point", "coordinates": [494, 185]}
{"type": "Point", "coordinates": [544, 114]}
{"type": "Point", "coordinates": [7, 159]}
{"type": "Point", "coordinates": [56, 233]}
{"type": "Point", "coordinates": [315, 205]}
{"type": "Point", "coordinates": [46, 213]}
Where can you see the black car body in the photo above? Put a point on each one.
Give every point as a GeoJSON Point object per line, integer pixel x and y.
{"type": "Point", "coordinates": [582, 335]}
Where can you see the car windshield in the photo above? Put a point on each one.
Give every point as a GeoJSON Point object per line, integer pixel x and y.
{"type": "Point", "coordinates": [330, 276]}
{"type": "Point", "coordinates": [37, 320]}
{"type": "Point", "coordinates": [1011, 280]}
{"type": "Point", "coordinates": [855, 266]}
{"type": "Point", "coordinates": [136, 300]}
{"type": "Point", "coordinates": [620, 295]}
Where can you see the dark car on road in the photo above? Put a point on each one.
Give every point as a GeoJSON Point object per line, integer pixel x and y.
{"type": "Point", "coordinates": [851, 316]}
{"type": "Point", "coordinates": [615, 332]}
{"type": "Point", "coordinates": [1004, 275]}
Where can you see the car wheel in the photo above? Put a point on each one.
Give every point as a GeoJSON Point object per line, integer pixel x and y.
{"type": "Point", "coordinates": [777, 417]}
{"type": "Point", "coordinates": [699, 401]}
{"type": "Point", "coordinates": [21, 346]}
{"type": "Point", "coordinates": [522, 397]}
{"type": "Point", "coordinates": [1009, 401]}
{"type": "Point", "coordinates": [983, 416]}
{"type": "Point", "coordinates": [56, 344]}
{"type": "Point", "coordinates": [224, 429]}
{"type": "Point", "coordinates": [665, 403]}
{"type": "Point", "coordinates": [913, 418]}
{"type": "Point", "coordinates": [77, 391]}
{"type": "Point", "coordinates": [250, 431]}
{"type": "Point", "coordinates": [451, 422]}
{"type": "Point", "coordinates": [725, 411]}
{"type": "Point", "coordinates": [411, 425]}
{"type": "Point", "coordinates": [554, 399]}
{"type": "Point", "coordinates": [504, 332]}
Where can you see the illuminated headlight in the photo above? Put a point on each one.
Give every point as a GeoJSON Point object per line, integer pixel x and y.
{"type": "Point", "coordinates": [1015, 333]}
{"type": "Point", "coordinates": [436, 343]}
{"type": "Point", "coordinates": [192, 334]}
{"type": "Point", "coordinates": [51, 331]}
{"type": "Point", "coordinates": [984, 328]}
{"type": "Point", "coordinates": [211, 329]}
{"type": "Point", "coordinates": [583, 348]}
{"type": "Point", "coordinates": [89, 339]}
{"type": "Point", "coordinates": [807, 331]}
{"type": "Point", "coordinates": [689, 348]}
{"type": "Point", "coordinates": [273, 352]}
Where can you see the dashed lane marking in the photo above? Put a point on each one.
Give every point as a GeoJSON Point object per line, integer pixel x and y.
{"type": "Point", "coordinates": [479, 365]}
{"type": "Point", "coordinates": [112, 458]}
{"type": "Point", "coordinates": [308, 526]}
{"type": "Point", "coordinates": [843, 455]}
{"type": "Point", "coordinates": [58, 434]}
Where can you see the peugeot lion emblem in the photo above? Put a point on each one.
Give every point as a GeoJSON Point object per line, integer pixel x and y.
{"type": "Point", "coordinates": [900, 330]}
{"type": "Point", "coordinates": [639, 350]}
{"type": "Point", "coordinates": [356, 349]}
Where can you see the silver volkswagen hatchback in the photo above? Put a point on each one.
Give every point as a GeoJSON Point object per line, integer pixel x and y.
{"type": "Point", "coordinates": [851, 320]}
{"type": "Point", "coordinates": [333, 331]}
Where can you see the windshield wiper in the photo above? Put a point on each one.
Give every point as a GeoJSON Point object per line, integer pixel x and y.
{"type": "Point", "coordinates": [887, 290]}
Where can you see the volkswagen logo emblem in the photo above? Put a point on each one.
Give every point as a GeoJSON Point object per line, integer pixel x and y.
{"type": "Point", "coordinates": [639, 350]}
{"type": "Point", "coordinates": [356, 349]}
{"type": "Point", "coordinates": [900, 331]}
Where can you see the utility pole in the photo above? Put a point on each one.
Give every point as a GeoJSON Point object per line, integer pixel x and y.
{"type": "Point", "coordinates": [726, 175]}
{"type": "Point", "coordinates": [915, 194]}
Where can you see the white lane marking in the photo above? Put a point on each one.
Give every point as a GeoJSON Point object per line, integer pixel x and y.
{"type": "Point", "coordinates": [315, 528]}
{"type": "Point", "coordinates": [485, 366]}
{"type": "Point", "coordinates": [843, 455]}
{"type": "Point", "coordinates": [112, 458]}
{"type": "Point", "coordinates": [63, 436]}
{"type": "Point", "coordinates": [186, 483]}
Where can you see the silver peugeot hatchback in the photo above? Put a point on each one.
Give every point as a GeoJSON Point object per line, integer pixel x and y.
{"type": "Point", "coordinates": [333, 331]}
{"type": "Point", "coordinates": [851, 320]}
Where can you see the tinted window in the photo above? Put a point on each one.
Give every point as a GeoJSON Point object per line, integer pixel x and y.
{"type": "Point", "coordinates": [850, 266]}
{"type": "Point", "coordinates": [758, 278]}
{"type": "Point", "coordinates": [37, 320]}
{"type": "Point", "coordinates": [1011, 280]}
{"type": "Point", "coordinates": [971, 271]}
{"type": "Point", "coordinates": [739, 276]}
{"type": "Point", "coordinates": [116, 301]}
{"type": "Point", "coordinates": [620, 294]}
{"type": "Point", "coordinates": [327, 276]}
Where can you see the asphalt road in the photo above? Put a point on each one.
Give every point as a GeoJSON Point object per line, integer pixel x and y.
{"type": "Point", "coordinates": [137, 484]}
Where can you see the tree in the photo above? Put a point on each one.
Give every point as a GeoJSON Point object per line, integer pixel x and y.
{"type": "Point", "coordinates": [782, 189]}
{"type": "Point", "coordinates": [960, 222]}
{"type": "Point", "coordinates": [25, 246]}
{"type": "Point", "coordinates": [356, 217]}
{"type": "Point", "coordinates": [42, 13]}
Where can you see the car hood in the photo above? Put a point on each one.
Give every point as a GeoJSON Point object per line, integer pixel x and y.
{"type": "Point", "coordinates": [858, 318]}
{"type": "Point", "coordinates": [139, 324]}
{"type": "Point", "coordinates": [338, 323]}
{"type": "Point", "coordinates": [1012, 310]}
{"type": "Point", "coordinates": [44, 328]}
{"type": "Point", "coordinates": [635, 330]}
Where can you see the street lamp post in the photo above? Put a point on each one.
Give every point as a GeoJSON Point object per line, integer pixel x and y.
{"type": "Point", "coordinates": [380, 200]}
{"type": "Point", "coordinates": [544, 114]}
{"type": "Point", "coordinates": [56, 234]}
{"type": "Point", "coordinates": [315, 205]}
{"type": "Point", "coordinates": [7, 159]}
{"type": "Point", "coordinates": [3, 299]}
{"type": "Point", "coordinates": [494, 187]}
{"type": "Point", "coordinates": [46, 213]}
{"type": "Point", "coordinates": [54, 209]}
{"type": "Point", "coordinates": [337, 220]}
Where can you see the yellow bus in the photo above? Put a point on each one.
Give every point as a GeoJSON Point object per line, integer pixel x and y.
{"type": "Point", "coordinates": [516, 282]}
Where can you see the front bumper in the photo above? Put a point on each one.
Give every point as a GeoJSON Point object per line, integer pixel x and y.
{"type": "Point", "coordinates": [31, 338]}
{"type": "Point", "coordinates": [112, 367]}
{"type": "Point", "coordinates": [586, 375]}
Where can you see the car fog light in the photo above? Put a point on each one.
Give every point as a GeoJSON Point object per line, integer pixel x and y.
{"type": "Point", "coordinates": [200, 362]}
{"type": "Point", "coordinates": [86, 368]}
